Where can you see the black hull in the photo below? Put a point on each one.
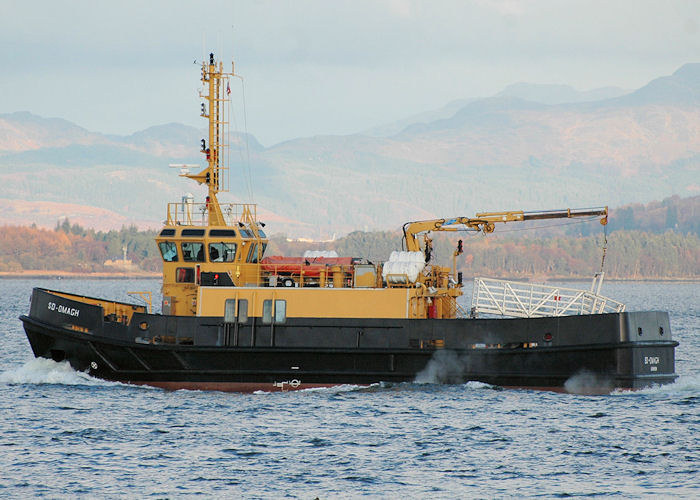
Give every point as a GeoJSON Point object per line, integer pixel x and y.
{"type": "Point", "coordinates": [587, 353]}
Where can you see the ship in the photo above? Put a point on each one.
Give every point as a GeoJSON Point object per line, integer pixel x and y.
{"type": "Point", "coordinates": [234, 319]}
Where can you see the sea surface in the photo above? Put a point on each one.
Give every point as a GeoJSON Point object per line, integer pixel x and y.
{"type": "Point", "coordinates": [66, 435]}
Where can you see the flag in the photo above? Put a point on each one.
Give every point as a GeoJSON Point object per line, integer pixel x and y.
{"type": "Point", "coordinates": [228, 89]}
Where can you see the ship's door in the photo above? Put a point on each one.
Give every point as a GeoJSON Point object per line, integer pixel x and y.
{"type": "Point", "coordinates": [274, 312]}
{"type": "Point", "coordinates": [235, 315]}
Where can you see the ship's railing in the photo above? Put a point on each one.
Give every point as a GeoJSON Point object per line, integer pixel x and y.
{"type": "Point", "coordinates": [526, 300]}
{"type": "Point", "coordinates": [454, 310]}
{"type": "Point", "coordinates": [197, 214]}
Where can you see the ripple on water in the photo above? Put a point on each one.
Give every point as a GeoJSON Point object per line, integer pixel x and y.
{"type": "Point", "coordinates": [65, 434]}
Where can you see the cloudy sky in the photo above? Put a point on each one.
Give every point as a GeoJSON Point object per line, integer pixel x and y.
{"type": "Point", "coordinates": [322, 66]}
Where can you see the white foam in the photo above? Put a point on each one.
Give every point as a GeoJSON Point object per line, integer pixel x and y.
{"type": "Point", "coordinates": [333, 389]}
{"type": "Point", "coordinates": [443, 368]}
{"type": "Point", "coordinates": [47, 371]}
{"type": "Point", "coordinates": [475, 385]}
{"type": "Point", "coordinates": [588, 383]}
{"type": "Point", "coordinates": [683, 384]}
{"type": "Point", "coordinates": [338, 388]}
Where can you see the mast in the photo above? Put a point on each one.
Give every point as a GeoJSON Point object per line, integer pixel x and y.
{"type": "Point", "coordinates": [216, 83]}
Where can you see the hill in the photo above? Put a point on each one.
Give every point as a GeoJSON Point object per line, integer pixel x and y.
{"type": "Point", "coordinates": [515, 150]}
{"type": "Point", "coordinates": [559, 94]}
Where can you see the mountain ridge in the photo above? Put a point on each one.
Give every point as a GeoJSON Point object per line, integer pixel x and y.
{"type": "Point", "coordinates": [501, 152]}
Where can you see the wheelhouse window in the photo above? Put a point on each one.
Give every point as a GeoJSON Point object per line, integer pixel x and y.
{"type": "Point", "coordinates": [192, 233]}
{"type": "Point", "coordinates": [184, 275]}
{"type": "Point", "coordinates": [222, 252]}
{"type": "Point", "coordinates": [253, 252]}
{"type": "Point", "coordinates": [228, 233]}
{"type": "Point", "coordinates": [247, 232]}
{"type": "Point", "coordinates": [193, 252]}
{"type": "Point", "coordinates": [168, 250]}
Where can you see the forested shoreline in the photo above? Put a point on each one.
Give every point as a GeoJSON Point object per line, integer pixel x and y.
{"type": "Point", "coordinates": [630, 254]}
{"type": "Point", "coordinates": [75, 249]}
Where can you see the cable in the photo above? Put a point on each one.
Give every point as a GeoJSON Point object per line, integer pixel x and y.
{"type": "Point", "coordinates": [247, 149]}
{"type": "Point", "coordinates": [605, 247]}
{"type": "Point", "coordinates": [247, 176]}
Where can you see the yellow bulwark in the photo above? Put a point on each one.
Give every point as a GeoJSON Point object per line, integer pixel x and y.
{"type": "Point", "coordinates": [213, 253]}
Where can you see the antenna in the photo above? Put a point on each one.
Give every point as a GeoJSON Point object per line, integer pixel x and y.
{"type": "Point", "coordinates": [215, 81]}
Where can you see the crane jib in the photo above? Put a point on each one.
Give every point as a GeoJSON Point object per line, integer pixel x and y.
{"type": "Point", "coordinates": [559, 214]}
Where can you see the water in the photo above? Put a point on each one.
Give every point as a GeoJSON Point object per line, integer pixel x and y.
{"type": "Point", "coordinates": [66, 435]}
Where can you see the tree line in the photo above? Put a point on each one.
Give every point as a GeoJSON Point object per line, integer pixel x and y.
{"type": "Point", "coordinates": [629, 254]}
{"type": "Point", "coordinates": [70, 247]}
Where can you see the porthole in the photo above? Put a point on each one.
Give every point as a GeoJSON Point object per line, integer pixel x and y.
{"type": "Point", "coordinates": [143, 326]}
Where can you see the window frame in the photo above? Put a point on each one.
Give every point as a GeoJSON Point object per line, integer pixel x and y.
{"type": "Point", "coordinates": [194, 255]}
{"type": "Point", "coordinates": [187, 272]}
{"type": "Point", "coordinates": [223, 244]}
{"type": "Point", "coordinates": [267, 312]}
{"type": "Point", "coordinates": [236, 311]}
{"type": "Point", "coordinates": [271, 311]}
{"type": "Point", "coordinates": [170, 244]}
{"type": "Point", "coordinates": [280, 317]}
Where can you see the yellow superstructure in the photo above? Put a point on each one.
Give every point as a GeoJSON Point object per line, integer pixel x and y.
{"type": "Point", "coordinates": [314, 303]}
{"type": "Point", "coordinates": [213, 254]}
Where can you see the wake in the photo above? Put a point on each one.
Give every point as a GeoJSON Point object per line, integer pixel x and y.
{"type": "Point", "coordinates": [685, 384]}
{"type": "Point", "coordinates": [40, 371]}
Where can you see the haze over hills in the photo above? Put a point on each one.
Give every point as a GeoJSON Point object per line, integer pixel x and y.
{"type": "Point", "coordinates": [543, 94]}
{"type": "Point", "coordinates": [527, 147]}
{"type": "Point", "coordinates": [559, 94]}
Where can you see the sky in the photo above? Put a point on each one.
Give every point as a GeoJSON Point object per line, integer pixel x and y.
{"type": "Point", "coordinates": [318, 67]}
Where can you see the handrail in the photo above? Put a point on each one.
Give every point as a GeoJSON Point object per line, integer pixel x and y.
{"type": "Point", "coordinates": [527, 300]}
{"type": "Point", "coordinates": [197, 214]}
{"type": "Point", "coordinates": [455, 310]}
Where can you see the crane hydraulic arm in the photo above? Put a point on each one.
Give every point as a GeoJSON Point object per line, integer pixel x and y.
{"type": "Point", "coordinates": [485, 221]}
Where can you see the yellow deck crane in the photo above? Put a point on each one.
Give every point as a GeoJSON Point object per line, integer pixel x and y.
{"type": "Point", "coordinates": [437, 291]}
{"type": "Point", "coordinates": [486, 221]}
{"type": "Point", "coordinates": [443, 283]}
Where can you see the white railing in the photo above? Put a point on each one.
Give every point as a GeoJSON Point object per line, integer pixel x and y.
{"type": "Point", "coordinates": [197, 214]}
{"type": "Point", "coordinates": [526, 300]}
